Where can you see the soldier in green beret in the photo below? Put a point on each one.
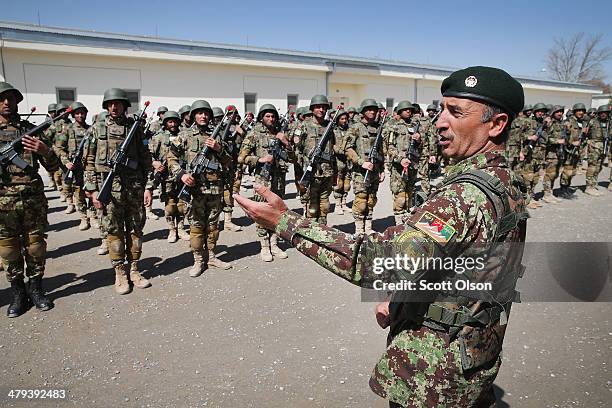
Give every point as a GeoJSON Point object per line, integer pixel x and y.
{"type": "Point", "coordinates": [435, 342]}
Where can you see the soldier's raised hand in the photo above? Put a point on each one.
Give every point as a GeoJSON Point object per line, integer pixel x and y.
{"type": "Point", "coordinates": [268, 213]}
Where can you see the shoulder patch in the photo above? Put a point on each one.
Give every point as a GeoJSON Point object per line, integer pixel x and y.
{"type": "Point", "coordinates": [435, 227]}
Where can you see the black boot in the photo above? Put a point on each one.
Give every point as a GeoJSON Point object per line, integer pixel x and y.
{"type": "Point", "coordinates": [37, 294]}
{"type": "Point", "coordinates": [21, 302]}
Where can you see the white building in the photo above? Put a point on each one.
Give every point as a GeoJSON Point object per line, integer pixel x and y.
{"type": "Point", "coordinates": [55, 64]}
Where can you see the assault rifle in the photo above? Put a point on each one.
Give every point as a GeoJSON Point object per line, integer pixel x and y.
{"type": "Point", "coordinates": [277, 152]}
{"type": "Point", "coordinates": [317, 153]}
{"type": "Point", "coordinates": [203, 162]}
{"type": "Point", "coordinates": [9, 152]}
{"type": "Point", "coordinates": [532, 143]}
{"type": "Point", "coordinates": [120, 160]}
{"type": "Point", "coordinates": [77, 161]}
{"type": "Point", "coordinates": [375, 157]}
{"type": "Point", "coordinates": [561, 147]}
{"type": "Point", "coordinates": [412, 153]}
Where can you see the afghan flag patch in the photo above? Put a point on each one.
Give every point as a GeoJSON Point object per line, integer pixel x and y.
{"type": "Point", "coordinates": [433, 226]}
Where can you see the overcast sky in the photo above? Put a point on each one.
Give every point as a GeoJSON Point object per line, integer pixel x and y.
{"type": "Point", "coordinates": [513, 35]}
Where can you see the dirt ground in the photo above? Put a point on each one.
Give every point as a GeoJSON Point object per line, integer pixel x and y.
{"type": "Point", "coordinates": [283, 334]}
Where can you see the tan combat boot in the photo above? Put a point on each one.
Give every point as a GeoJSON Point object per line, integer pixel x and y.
{"type": "Point", "coordinates": [62, 198]}
{"type": "Point", "coordinates": [274, 249]}
{"type": "Point", "coordinates": [359, 226]}
{"type": "Point", "coordinates": [228, 225]}
{"type": "Point", "coordinates": [339, 209]}
{"type": "Point", "coordinates": [368, 227]}
{"type": "Point", "coordinates": [199, 265]}
{"type": "Point", "coordinates": [122, 286]}
{"type": "Point", "coordinates": [592, 191]}
{"type": "Point", "coordinates": [532, 205]}
{"type": "Point", "coordinates": [150, 214]}
{"type": "Point", "coordinates": [93, 219]}
{"type": "Point", "coordinates": [137, 279]}
{"type": "Point", "coordinates": [184, 235]}
{"type": "Point", "coordinates": [103, 248]}
{"type": "Point", "coordinates": [538, 203]}
{"type": "Point", "coordinates": [549, 198]}
{"type": "Point", "coordinates": [216, 262]}
{"type": "Point", "coordinates": [84, 225]}
{"type": "Point", "coordinates": [265, 253]}
{"type": "Point", "coordinates": [70, 207]}
{"type": "Point", "coordinates": [171, 230]}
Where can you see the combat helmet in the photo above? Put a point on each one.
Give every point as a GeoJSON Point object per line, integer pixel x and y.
{"type": "Point", "coordinates": [217, 112]}
{"type": "Point", "coordinates": [539, 107]}
{"type": "Point", "coordinates": [162, 109]}
{"type": "Point", "coordinates": [403, 105]}
{"type": "Point", "coordinates": [368, 103]}
{"type": "Point", "coordinates": [115, 94]}
{"type": "Point", "coordinates": [76, 106]}
{"type": "Point", "coordinates": [266, 107]}
{"type": "Point", "coordinates": [171, 115]}
{"type": "Point", "coordinates": [6, 87]}
{"type": "Point", "coordinates": [318, 100]}
{"type": "Point", "coordinates": [579, 106]}
{"type": "Point", "coordinates": [52, 107]}
{"type": "Point", "coordinates": [200, 104]}
{"type": "Point", "coordinates": [432, 107]}
{"type": "Point", "coordinates": [603, 108]}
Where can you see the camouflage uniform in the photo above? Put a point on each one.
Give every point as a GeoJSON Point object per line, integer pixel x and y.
{"type": "Point", "coordinates": [23, 215]}
{"type": "Point", "coordinates": [343, 168]}
{"type": "Point", "coordinates": [599, 129]}
{"type": "Point", "coordinates": [174, 209]}
{"type": "Point", "coordinates": [56, 133]}
{"type": "Point", "coordinates": [402, 180]}
{"type": "Point", "coordinates": [256, 146]}
{"type": "Point", "coordinates": [534, 159]}
{"type": "Point", "coordinates": [428, 146]}
{"type": "Point", "coordinates": [123, 219]}
{"type": "Point", "coordinates": [320, 188]}
{"type": "Point", "coordinates": [427, 361]}
{"type": "Point", "coordinates": [555, 134]}
{"type": "Point", "coordinates": [232, 178]}
{"type": "Point", "coordinates": [66, 145]}
{"type": "Point", "coordinates": [519, 127]}
{"type": "Point", "coordinates": [206, 195]}
{"type": "Point", "coordinates": [294, 134]}
{"type": "Point", "coordinates": [575, 128]}
{"type": "Point", "coordinates": [362, 137]}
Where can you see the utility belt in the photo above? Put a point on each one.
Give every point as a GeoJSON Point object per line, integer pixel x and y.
{"type": "Point", "coordinates": [451, 321]}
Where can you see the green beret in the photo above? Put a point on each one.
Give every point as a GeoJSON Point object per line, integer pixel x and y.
{"type": "Point", "coordinates": [486, 84]}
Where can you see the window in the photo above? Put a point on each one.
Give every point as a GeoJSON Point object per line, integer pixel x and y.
{"type": "Point", "coordinates": [390, 105]}
{"type": "Point", "coordinates": [134, 97]}
{"type": "Point", "coordinates": [65, 95]}
{"type": "Point", "coordinates": [250, 103]}
{"type": "Point", "coordinates": [292, 100]}
{"type": "Point", "coordinates": [436, 102]}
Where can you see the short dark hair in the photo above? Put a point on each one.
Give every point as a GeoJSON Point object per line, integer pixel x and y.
{"type": "Point", "coordinates": [490, 111]}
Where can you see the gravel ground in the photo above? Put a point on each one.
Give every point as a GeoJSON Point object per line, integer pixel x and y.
{"type": "Point", "coordinates": [272, 335]}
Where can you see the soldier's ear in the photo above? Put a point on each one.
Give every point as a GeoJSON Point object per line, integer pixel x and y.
{"type": "Point", "coordinates": [498, 124]}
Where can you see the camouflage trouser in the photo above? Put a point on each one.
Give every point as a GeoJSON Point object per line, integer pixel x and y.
{"type": "Point", "coordinates": [512, 154]}
{"type": "Point", "coordinates": [569, 169]}
{"type": "Point", "coordinates": [173, 206]}
{"type": "Point", "coordinates": [531, 175]}
{"type": "Point", "coordinates": [58, 177]}
{"type": "Point", "coordinates": [23, 222]}
{"type": "Point", "coordinates": [277, 186]}
{"type": "Point", "coordinates": [365, 197]}
{"type": "Point", "coordinates": [298, 171]}
{"type": "Point", "coordinates": [123, 220]}
{"type": "Point", "coordinates": [75, 195]}
{"type": "Point", "coordinates": [425, 370]}
{"type": "Point", "coordinates": [317, 198]}
{"type": "Point", "coordinates": [424, 175]}
{"type": "Point", "coordinates": [231, 180]}
{"type": "Point", "coordinates": [402, 189]}
{"type": "Point", "coordinates": [553, 165]}
{"type": "Point", "coordinates": [343, 180]}
{"type": "Point", "coordinates": [595, 160]}
{"type": "Point", "coordinates": [204, 221]}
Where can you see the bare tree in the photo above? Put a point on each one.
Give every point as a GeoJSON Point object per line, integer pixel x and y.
{"type": "Point", "coordinates": [578, 58]}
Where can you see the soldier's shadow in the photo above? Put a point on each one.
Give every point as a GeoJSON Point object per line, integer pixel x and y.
{"type": "Point", "coordinates": [237, 252]}
{"type": "Point", "coordinates": [74, 247]}
{"type": "Point", "coordinates": [56, 209]}
{"type": "Point", "coordinates": [152, 267]}
{"type": "Point", "coordinates": [499, 394]}
{"type": "Point", "coordinates": [60, 226]}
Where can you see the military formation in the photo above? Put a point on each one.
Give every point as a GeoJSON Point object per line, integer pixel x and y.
{"type": "Point", "coordinates": [199, 156]}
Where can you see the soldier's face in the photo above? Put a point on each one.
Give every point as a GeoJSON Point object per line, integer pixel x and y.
{"type": "Point", "coordinates": [268, 119]}
{"type": "Point", "coordinates": [527, 114]}
{"type": "Point", "coordinates": [461, 131]}
{"type": "Point", "coordinates": [185, 117]}
{"type": "Point", "coordinates": [603, 116]}
{"type": "Point", "coordinates": [319, 111]}
{"type": "Point", "coordinates": [80, 115]}
{"type": "Point", "coordinates": [172, 125]}
{"type": "Point", "coordinates": [539, 114]}
{"type": "Point", "coordinates": [579, 114]}
{"type": "Point", "coordinates": [557, 115]}
{"type": "Point", "coordinates": [250, 116]}
{"type": "Point", "coordinates": [8, 103]}
{"type": "Point", "coordinates": [370, 113]}
{"type": "Point", "coordinates": [161, 115]}
{"type": "Point", "coordinates": [406, 114]}
{"type": "Point", "coordinates": [431, 113]}
{"type": "Point", "coordinates": [342, 120]}
{"type": "Point", "coordinates": [201, 117]}
{"type": "Point", "coordinates": [115, 108]}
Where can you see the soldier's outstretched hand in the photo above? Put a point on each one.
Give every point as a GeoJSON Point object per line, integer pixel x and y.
{"type": "Point", "coordinates": [267, 214]}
